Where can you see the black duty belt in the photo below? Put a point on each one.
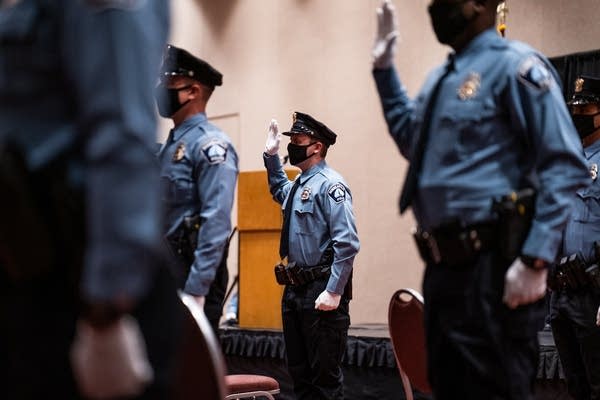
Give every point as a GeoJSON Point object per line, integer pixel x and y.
{"type": "Point", "coordinates": [455, 244]}
{"type": "Point", "coordinates": [294, 275]}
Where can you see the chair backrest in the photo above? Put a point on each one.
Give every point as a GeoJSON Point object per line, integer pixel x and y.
{"type": "Point", "coordinates": [407, 332]}
{"type": "Point", "coordinates": [200, 369]}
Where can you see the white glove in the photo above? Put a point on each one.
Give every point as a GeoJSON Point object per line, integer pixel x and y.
{"type": "Point", "coordinates": [273, 139]}
{"type": "Point", "coordinates": [598, 317]}
{"type": "Point", "coordinates": [200, 301]}
{"type": "Point", "coordinates": [523, 285]}
{"type": "Point", "coordinates": [111, 361]}
{"type": "Point", "coordinates": [384, 47]}
{"type": "Point", "coordinates": [327, 301]}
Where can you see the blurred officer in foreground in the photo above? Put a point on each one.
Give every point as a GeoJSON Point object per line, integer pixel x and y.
{"type": "Point", "coordinates": [199, 169]}
{"type": "Point", "coordinates": [575, 279]}
{"type": "Point", "coordinates": [79, 206]}
{"type": "Point", "coordinates": [494, 166]}
{"type": "Point", "coordinates": [319, 242]}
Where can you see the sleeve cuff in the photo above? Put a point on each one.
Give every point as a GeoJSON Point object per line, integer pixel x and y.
{"type": "Point", "coordinates": [542, 243]}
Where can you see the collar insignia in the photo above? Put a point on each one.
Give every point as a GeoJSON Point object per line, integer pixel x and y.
{"type": "Point", "coordinates": [594, 171]}
{"type": "Point", "coordinates": [470, 86]}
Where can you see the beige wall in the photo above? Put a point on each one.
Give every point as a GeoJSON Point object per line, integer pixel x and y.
{"type": "Point", "coordinates": [278, 56]}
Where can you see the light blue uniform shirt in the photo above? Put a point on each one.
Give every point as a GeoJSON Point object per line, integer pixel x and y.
{"type": "Point", "coordinates": [199, 169]}
{"type": "Point", "coordinates": [583, 227]}
{"type": "Point", "coordinates": [321, 216]}
{"type": "Point", "coordinates": [77, 77]}
{"type": "Point", "coordinates": [500, 123]}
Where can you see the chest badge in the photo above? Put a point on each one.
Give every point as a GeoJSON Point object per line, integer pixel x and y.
{"type": "Point", "coordinates": [305, 195]}
{"type": "Point", "coordinates": [179, 152]}
{"type": "Point", "coordinates": [470, 86]}
{"type": "Point", "coordinates": [594, 171]}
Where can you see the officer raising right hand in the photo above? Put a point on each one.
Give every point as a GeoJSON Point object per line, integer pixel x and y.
{"type": "Point", "coordinates": [488, 123]}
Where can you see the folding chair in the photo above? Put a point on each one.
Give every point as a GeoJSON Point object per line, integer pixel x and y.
{"type": "Point", "coordinates": [203, 363]}
{"type": "Point", "coordinates": [407, 332]}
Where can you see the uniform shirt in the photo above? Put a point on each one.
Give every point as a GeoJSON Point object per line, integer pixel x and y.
{"type": "Point", "coordinates": [583, 227]}
{"type": "Point", "coordinates": [321, 216]}
{"type": "Point", "coordinates": [199, 169]}
{"type": "Point", "coordinates": [76, 77]}
{"type": "Point", "coordinates": [500, 123]}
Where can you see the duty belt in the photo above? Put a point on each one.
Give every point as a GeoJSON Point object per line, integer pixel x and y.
{"type": "Point", "coordinates": [294, 275]}
{"type": "Point", "coordinates": [574, 273]}
{"type": "Point", "coordinates": [454, 244]}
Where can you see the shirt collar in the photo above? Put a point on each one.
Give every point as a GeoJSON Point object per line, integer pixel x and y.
{"type": "Point", "coordinates": [592, 149]}
{"type": "Point", "coordinates": [484, 39]}
{"type": "Point", "coordinates": [188, 124]}
{"type": "Point", "coordinates": [312, 171]}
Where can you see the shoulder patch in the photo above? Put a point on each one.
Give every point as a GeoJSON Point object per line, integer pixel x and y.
{"type": "Point", "coordinates": [215, 151]}
{"type": "Point", "coordinates": [534, 73]}
{"type": "Point", "coordinates": [337, 192]}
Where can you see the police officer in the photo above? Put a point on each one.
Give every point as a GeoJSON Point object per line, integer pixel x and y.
{"type": "Point", "coordinates": [199, 169]}
{"type": "Point", "coordinates": [80, 206]}
{"type": "Point", "coordinates": [320, 242]}
{"type": "Point", "coordinates": [490, 121]}
{"type": "Point", "coordinates": [573, 304]}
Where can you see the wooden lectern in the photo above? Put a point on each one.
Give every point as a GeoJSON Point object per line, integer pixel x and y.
{"type": "Point", "coordinates": [259, 224]}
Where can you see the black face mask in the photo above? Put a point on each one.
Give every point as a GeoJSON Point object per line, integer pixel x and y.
{"type": "Point", "coordinates": [297, 152]}
{"type": "Point", "coordinates": [584, 124]}
{"type": "Point", "coordinates": [167, 100]}
{"type": "Point", "coordinates": [448, 20]}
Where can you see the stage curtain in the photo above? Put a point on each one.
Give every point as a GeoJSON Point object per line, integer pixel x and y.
{"type": "Point", "coordinates": [570, 66]}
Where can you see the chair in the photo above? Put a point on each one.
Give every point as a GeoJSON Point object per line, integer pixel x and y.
{"type": "Point", "coordinates": [407, 333]}
{"type": "Point", "coordinates": [204, 359]}
{"type": "Point", "coordinates": [200, 371]}
{"type": "Point", "coordinates": [251, 386]}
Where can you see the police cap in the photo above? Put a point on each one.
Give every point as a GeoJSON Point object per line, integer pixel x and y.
{"type": "Point", "coordinates": [586, 91]}
{"type": "Point", "coordinates": [304, 123]}
{"type": "Point", "coordinates": [178, 62]}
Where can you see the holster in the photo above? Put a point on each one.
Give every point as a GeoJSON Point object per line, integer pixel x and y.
{"type": "Point", "coordinates": [573, 273]}
{"type": "Point", "coordinates": [515, 213]}
{"type": "Point", "coordinates": [184, 240]}
{"type": "Point", "coordinates": [454, 244]}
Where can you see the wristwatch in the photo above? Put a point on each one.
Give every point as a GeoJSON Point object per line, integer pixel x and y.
{"type": "Point", "coordinates": [534, 263]}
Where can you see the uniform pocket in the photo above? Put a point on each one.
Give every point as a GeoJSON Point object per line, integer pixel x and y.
{"type": "Point", "coordinates": [472, 123]}
{"type": "Point", "coordinates": [305, 217]}
{"type": "Point", "coordinates": [177, 190]}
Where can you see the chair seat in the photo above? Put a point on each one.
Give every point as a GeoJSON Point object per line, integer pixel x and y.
{"type": "Point", "coordinates": [250, 383]}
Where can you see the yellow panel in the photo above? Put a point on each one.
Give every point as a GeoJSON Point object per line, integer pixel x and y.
{"type": "Point", "coordinates": [259, 293]}
{"type": "Point", "coordinates": [256, 208]}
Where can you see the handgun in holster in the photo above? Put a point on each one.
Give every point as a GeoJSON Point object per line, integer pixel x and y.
{"type": "Point", "coordinates": [184, 240]}
{"type": "Point", "coordinates": [289, 274]}
{"type": "Point", "coordinates": [515, 213]}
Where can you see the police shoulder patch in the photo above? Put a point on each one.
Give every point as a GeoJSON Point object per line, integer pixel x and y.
{"type": "Point", "coordinates": [534, 73]}
{"type": "Point", "coordinates": [337, 192]}
{"type": "Point", "coordinates": [215, 151]}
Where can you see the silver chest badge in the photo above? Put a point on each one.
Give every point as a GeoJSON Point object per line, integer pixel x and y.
{"type": "Point", "coordinates": [305, 193]}
{"type": "Point", "coordinates": [594, 171]}
{"type": "Point", "coordinates": [470, 86]}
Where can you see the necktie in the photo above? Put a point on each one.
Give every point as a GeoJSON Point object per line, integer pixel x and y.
{"type": "Point", "coordinates": [412, 176]}
{"type": "Point", "coordinates": [284, 243]}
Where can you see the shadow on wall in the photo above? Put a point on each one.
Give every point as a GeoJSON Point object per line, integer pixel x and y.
{"type": "Point", "coordinates": [217, 13]}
